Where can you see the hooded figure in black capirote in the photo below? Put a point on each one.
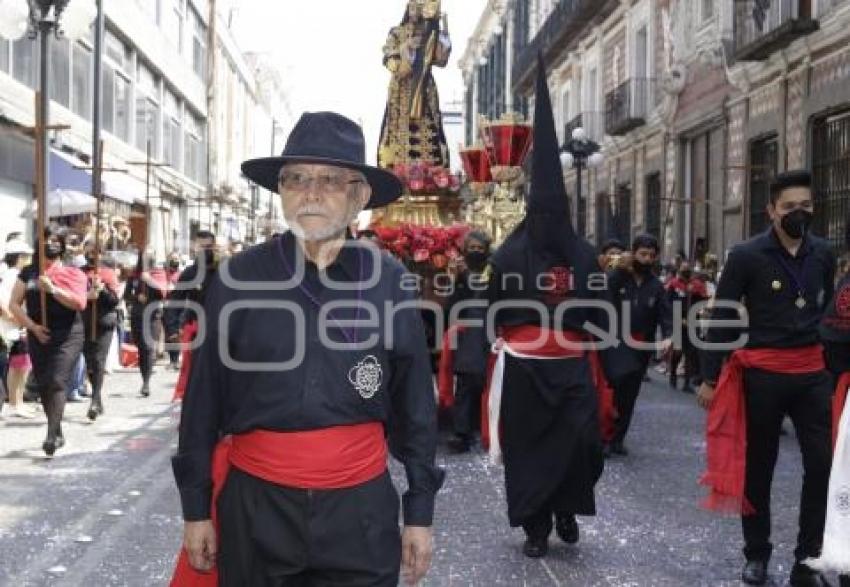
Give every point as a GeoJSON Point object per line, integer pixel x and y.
{"type": "Point", "coordinates": [542, 398]}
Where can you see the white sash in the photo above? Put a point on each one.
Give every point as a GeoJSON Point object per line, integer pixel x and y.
{"type": "Point", "coordinates": [835, 554]}
{"type": "Point", "coordinates": [494, 403]}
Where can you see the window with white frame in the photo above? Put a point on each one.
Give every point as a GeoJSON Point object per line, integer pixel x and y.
{"type": "Point", "coordinates": [24, 62]}
{"type": "Point", "coordinates": [5, 54]}
{"type": "Point", "coordinates": [199, 43]}
{"type": "Point", "coordinates": [706, 10]}
{"type": "Point", "coordinates": [116, 87]}
{"type": "Point", "coordinates": [60, 72]}
{"type": "Point", "coordinates": [194, 163]}
{"type": "Point", "coordinates": [172, 22]}
{"type": "Point", "coordinates": [82, 85]}
{"type": "Point", "coordinates": [171, 129]}
{"type": "Point", "coordinates": [147, 108]}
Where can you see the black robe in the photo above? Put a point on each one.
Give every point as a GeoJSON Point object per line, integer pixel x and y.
{"type": "Point", "coordinates": [549, 424]}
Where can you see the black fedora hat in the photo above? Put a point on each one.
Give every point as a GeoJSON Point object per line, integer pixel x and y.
{"type": "Point", "coordinates": [329, 139]}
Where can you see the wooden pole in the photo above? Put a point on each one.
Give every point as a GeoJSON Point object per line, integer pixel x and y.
{"type": "Point", "coordinates": [98, 194]}
{"type": "Point", "coordinates": [41, 198]}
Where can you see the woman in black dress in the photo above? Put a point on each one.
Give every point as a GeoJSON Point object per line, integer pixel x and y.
{"type": "Point", "coordinates": [54, 346]}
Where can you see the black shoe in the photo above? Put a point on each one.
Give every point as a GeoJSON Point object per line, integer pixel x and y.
{"type": "Point", "coordinates": [51, 445]}
{"type": "Point", "coordinates": [803, 576]}
{"type": "Point", "coordinates": [566, 527]}
{"type": "Point", "coordinates": [617, 448]}
{"type": "Point", "coordinates": [535, 548]}
{"type": "Point", "coordinates": [755, 572]}
{"type": "Point", "coordinates": [94, 411]}
{"type": "Point", "coordinates": [459, 444]}
{"type": "Point", "coordinates": [145, 391]}
{"type": "Point", "coordinates": [674, 382]}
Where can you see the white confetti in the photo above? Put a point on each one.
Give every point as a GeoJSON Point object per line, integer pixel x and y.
{"type": "Point", "coordinates": [134, 493]}
{"type": "Point", "coordinates": [114, 513]}
{"type": "Point", "coordinates": [57, 570]}
{"type": "Point", "coordinates": [82, 538]}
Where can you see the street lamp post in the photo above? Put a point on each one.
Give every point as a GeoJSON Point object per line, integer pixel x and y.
{"type": "Point", "coordinates": [580, 152]}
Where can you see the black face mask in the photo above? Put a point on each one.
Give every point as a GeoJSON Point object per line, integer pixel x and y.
{"type": "Point", "coordinates": [476, 259]}
{"type": "Point", "coordinates": [643, 268]}
{"type": "Point", "coordinates": [52, 251]}
{"type": "Point", "coordinates": [174, 264]}
{"type": "Point", "coordinates": [796, 223]}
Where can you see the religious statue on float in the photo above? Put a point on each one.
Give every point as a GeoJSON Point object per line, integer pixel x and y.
{"type": "Point", "coordinates": [412, 132]}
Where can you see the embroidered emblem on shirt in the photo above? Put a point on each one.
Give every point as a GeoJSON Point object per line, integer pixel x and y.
{"type": "Point", "coordinates": [365, 376]}
{"type": "Point", "coordinates": [557, 284]}
{"type": "Point", "coordinates": [842, 501]}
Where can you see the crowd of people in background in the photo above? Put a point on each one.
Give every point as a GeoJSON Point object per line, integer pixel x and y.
{"type": "Point", "coordinates": [96, 306]}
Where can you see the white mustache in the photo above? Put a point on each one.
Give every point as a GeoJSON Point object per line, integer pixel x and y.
{"type": "Point", "coordinates": [310, 210]}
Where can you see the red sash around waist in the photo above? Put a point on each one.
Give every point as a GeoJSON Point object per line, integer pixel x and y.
{"type": "Point", "coordinates": [542, 342]}
{"type": "Point", "coordinates": [546, 343]}
{"type": "Point", "coordinates": [327, 458]}
{"type": "Point", "coordinates": [726, 429]}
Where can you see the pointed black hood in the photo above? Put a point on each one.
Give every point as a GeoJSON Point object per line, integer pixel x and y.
{"type": "Point", "coordinates": [548, 194]}
{"type": "Point", "coordinates": [546, 233]}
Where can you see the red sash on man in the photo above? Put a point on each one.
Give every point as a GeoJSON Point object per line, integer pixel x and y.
{"type": "Point", "coordinates": [546, 343]}
{"type": "Point", "coordinates": [71, 280]}
{"type": "Point", "coordinates": [327, 458]}
{"type": "Point", "coordinates": [187, 335]}
{"type": "Point", "coordinates": [726, 430]}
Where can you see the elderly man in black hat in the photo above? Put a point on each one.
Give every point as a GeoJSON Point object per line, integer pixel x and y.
{"type": "Point", "coordinates": [313, 367]}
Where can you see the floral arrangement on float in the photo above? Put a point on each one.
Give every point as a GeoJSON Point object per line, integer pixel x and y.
{"type": "Point", "coordinates": [420, 177]}
{"type": "Point", "coordinates": [422, 248]}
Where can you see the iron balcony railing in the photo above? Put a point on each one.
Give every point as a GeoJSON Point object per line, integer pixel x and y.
{"type": "Point", "coordinates": [561, 27]}
{"type": "Point", "coordinates": [628, 105]}
{"type": "Point", "coordinates": [762, 27]}
{"type": "Point", "coordinates": [593, 124]}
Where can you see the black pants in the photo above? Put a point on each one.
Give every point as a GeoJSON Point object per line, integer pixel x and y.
{"type": "Point", "coordinates": [273, 536]}
{"type": "Point", "coordinates": [467, 407]}
{"type": "Point", "coordinates": [146, 344]}
{"type": "Point", "coordinates": [806, 398]}
{"type": "Point", "coordinates": [691, 355]}
{"type": "Point", "coordinates": [626, 392]}
{"type": "Point", "coordinates": [95, 350]}
{"type": "Point", "coordinates": [53, 368]}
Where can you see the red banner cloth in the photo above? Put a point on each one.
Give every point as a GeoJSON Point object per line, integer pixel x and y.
{"type": "Point", "coordinates": [187, 335]}
{"type": "Point", "coordinates": [327, 458]}
{"type": "Point", "coordinates": [72, 280]}
{"type": "Point", "coordinates": [445, 369]}
{"type": "Point", "coordinates": [726, 428]}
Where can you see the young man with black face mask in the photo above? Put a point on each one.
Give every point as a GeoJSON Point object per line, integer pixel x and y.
{"type": "Point", "coordinates": [470, 357]}
{"type": "Point", "coordinates": [632, 284]}
{"type": "Point", "coordinates": [784, 279]}
{"type": "Point", "coordinates": [179, 318]}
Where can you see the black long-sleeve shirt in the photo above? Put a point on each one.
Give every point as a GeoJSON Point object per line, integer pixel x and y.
{"type": "Point", "coordinates": [270, 321]}
{"type": "Point", "coordinates": [758, 273]}
{"type": "Point", "coordinates": [648, 302]}
{"type": "Point", "coordinates": [187, 288]}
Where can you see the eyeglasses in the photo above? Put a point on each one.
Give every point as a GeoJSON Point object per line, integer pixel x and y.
{"type": "Point", "coordinates": [325, 183]}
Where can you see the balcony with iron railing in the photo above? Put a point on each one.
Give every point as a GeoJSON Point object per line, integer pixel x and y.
{"type": "Point", "coordinates": [593, 124]}
{"type": "Point", "coordinates": [563, 26]}
{"type": "Point", "coordinates": [628, 106]}
{"type": "Point", "coordinates": [762, 27]}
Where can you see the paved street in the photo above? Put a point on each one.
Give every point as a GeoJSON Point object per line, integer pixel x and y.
{"type": "Point", "coordinates": [105, 510]}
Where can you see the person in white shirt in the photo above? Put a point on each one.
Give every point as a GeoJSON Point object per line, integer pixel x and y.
{"type": "Point", "coordinates": [18, 255]}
